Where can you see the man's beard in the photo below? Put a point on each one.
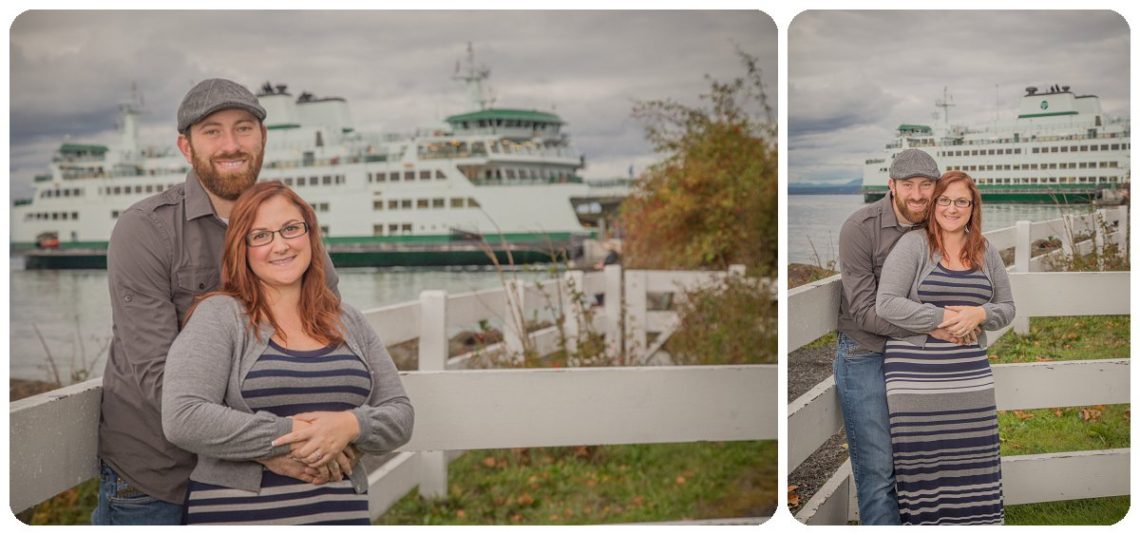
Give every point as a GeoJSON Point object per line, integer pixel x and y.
{"type": "Point", "coordinates": [228, 186]}
{"type": "Point", "coordinates": [911, 215]}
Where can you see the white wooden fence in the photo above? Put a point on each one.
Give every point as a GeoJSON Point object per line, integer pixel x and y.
{"type": "Point", "coordinates": [53, 436]}
{"type": "Point", "coordinates": [815, 416]}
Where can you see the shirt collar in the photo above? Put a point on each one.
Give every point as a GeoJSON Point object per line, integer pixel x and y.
{"type": "Point", "coordinates": [887, 207]}
{"type": "Point", "coordinates": [197, 201]}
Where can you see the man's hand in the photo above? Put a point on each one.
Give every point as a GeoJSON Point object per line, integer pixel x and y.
{"type": "Point", "coordinates": [283, 465]}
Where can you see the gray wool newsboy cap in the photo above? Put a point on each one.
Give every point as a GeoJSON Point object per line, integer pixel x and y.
{"type": "Point", "coordinates": [213, 95]}
{"type": "Point", "coordinates": [912, 163]}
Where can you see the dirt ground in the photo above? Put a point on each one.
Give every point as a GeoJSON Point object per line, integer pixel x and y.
{"type": "Point", "coordinates": [807, 367]}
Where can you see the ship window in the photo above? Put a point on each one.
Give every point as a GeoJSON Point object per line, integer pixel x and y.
{"type": "Point", "coordinates": [472, 203]}
{"type": "Point", "coordinates": [314, 180]}
{"type": "Point", "coordinates": [439, 175]}
{"type": "Point", "coordinates": [393, 204]}
{"type": "Point", "coordinates": [377, 230]}
{"type": "Point", "coordinates": [1073, 148]}
{"type": "Point", "coordinates": [457, 202]}
{"type": "Point", "coordinates": [324, 230]}
{"type": "Point", "coordinates": [394, 176]}
{"type": "Point", "coordinates": [1104, 147]}
{"type": "Point", "coordinates": [381, 177]}
{"type": "Point", "coordinates": [511, 173]}
{"type": "Point", "coordinates": [393, 228]}
{"type": "Point", "coordinates": [437, 203]}
{"type": "Point", "coordinates": [369, 178]}
{"type": "Point", "coordinates": [75, 215]}
{"type": "Point", "coordinates": [326, 180]}
{"type": "Point", "coordinates": [406, 204]}
{"type": "Point", "coordinates": [340, 179]}
{"type": "Point", "coordinates": [54, 216]}
{"type": "Point", "coordinates": [409, 176]}
{"type": "Point", "coordinates": [377, 205]}
{"type": "Point", "coordinates": [1052, 166]}
{"type": "Point", "coordinates": [425, 174]}
{"type": "Point", "coordinates": [1064, 149]}
{"type": "Point", "coordinates": [421, 203]}
{"type": "Point", "coordinates": [406, 227]}
{"type": "Point", "coordinates": [1036, 150]}
{"type": "Point", "coordinates": [1116, 146]}
{"type": "Point", "coordinates": [1084, 148]}
{"type": "Point", "coordinates": [1094, 147]}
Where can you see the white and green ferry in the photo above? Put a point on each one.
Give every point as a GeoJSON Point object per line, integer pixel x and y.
{"type": "Point", "coordinates": [1061, 148]}
{"type": "Point", "coordinates": [499, 177]}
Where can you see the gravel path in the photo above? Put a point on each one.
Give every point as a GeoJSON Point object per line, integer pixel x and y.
{"type": "Point", "coordinates": [806, 368]}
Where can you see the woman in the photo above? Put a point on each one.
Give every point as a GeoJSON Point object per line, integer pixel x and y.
{"type": "Point", "coordinates": [275, 364]}
{"type": "Point", "coordinates": [941, 394]}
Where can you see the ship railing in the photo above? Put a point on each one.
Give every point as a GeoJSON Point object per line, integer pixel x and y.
{"type": "Point", "coordinates": [814, 417]}
{"type": "Point", "coordinates": [53, 436]}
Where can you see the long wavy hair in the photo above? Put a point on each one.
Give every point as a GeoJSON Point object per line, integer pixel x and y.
{"type": "Point", "coordinates": [973, 253]}
{"type": "Point", "coordinates": [319, 306]}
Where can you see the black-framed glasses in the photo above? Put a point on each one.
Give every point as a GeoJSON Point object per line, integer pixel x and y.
{"type": "Point", "coordinates": [260, 238]}
{"type": "Point", "coordinates": [960, 203]}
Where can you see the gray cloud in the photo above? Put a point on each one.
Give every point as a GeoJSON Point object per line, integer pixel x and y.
{"type": "Point", "coordinates": [854, 76]}
{"type": "Point", "coordinates": [69, 69]}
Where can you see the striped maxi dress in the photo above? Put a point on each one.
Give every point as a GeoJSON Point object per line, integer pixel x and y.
{"type": "Point", "coordinates": [943, 416]}
{"type": "Point", "coordinates": [287, 382]}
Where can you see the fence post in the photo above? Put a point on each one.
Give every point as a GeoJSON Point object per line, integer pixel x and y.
{"type": "Point", "coordinates": [1023, 248]}
{"type": "Point", "coordinates": [1122, 230]}
{"type": "Point", "coordinates": [636, 303]}
{"type": "Point", "coordinates": [573, 291]}
{"type": "Point", "coordinates": [612, 306]}
{"type": "Point", "coordinates": [1100, 220]}
{"type": "Point", "coordinates": [514, 328]}
{"type": "Point", "coordinates": [433, 357]}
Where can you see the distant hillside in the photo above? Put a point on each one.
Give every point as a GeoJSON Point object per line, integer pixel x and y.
{"type": "Point", "coordinates": [825, 189]}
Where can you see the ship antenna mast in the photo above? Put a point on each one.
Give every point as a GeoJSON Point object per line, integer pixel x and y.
{"type": "Point", "coordinates": [946, 102]}
{"type": "Point", "coordinates": [474, 77]}
{"type": "Point", "coordinates": [128, 112]}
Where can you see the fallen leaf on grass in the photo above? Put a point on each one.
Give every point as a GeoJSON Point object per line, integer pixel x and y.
{"type": "Point", "coordinates": [489, 462]}
{"type": "Point", "coordinates": [1058, 412]}
{"type": "Point", "coordinates": [793, 497]}
{"type": "Point", "coordinates": [1022, 415]}
{"type": "Point", "coordinates": [526, 499]}
{"type": "Point", "coordinates": [680, 480]}
{"type": "Point", "coordinates": [1090, 414]}
{"type": "Point", "coordinates": [461, 514]}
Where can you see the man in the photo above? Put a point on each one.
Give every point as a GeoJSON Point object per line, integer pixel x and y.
{"type": "Point", "coordinates": [164, 251]}
{"type": "Point", "coordinates": [864, 242]}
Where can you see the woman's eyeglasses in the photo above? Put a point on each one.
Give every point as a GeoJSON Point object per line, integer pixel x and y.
{"type": "Point", "coordinates": [960, 203]}
{"type": "Point", "coordinates": [259, 238]}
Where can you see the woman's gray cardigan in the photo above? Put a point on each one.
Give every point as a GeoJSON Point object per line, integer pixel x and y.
{"type": "Point", "coordinates": [203, 410]}
{"type": "Point", "coordinates": [904, 270]}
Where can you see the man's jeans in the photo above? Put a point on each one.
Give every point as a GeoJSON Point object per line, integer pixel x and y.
{"type": "Point", "coordinates": [863, 398]}
{"type": "Point", "coordinates": [121, 504]}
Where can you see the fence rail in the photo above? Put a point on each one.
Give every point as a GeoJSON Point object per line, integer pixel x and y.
{"type": "Point", "coordinates": [815, 416]}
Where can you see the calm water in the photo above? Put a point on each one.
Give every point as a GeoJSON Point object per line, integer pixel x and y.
{"type": "Point", "coordinates": [814, 220]}
{"type": "Point", "coordinates": [71, 308]}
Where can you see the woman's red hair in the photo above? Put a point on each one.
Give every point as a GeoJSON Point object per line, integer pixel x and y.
{"type": "Point", "coordinates": [973, 253]}
{"type": "Point", "coordinates": [319, 306]}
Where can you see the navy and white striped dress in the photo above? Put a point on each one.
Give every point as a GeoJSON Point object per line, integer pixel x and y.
{"type": "Point", "coordinates": [288, 382]}
{"type": "Point", "coordinates": [944, 427]}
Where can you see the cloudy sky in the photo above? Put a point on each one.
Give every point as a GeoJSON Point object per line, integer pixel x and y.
{"type": "Point", "coordinates": [69, 70]}
{"type": "Point", "coordinates": [854, 76]}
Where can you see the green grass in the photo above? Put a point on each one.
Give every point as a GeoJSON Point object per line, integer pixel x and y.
{"type": "Point", "coordinates": [1099, 511]}
{"type": "Point", "coordinates": [601, 484]}
{"type": "Point", "coordinates": [1068, 338]}
{"type": "Point", "coordinates": [827, 340]}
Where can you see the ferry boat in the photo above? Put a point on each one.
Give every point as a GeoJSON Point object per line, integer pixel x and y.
{"type": "Point", "coordinates": [494, 177]}
{"type": "Point", "coordinates": [1061, 149]}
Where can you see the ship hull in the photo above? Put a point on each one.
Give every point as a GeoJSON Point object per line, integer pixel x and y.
{"type": "Point", "coordinates": [1012, 196]}
{"type": "Point", "coordinates": [426, 251]}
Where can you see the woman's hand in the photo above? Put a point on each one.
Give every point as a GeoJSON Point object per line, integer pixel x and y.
{"type": "Point", "coordinates": [964, 320]}
{"type": "Point", "coordinates": [318, 437]}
